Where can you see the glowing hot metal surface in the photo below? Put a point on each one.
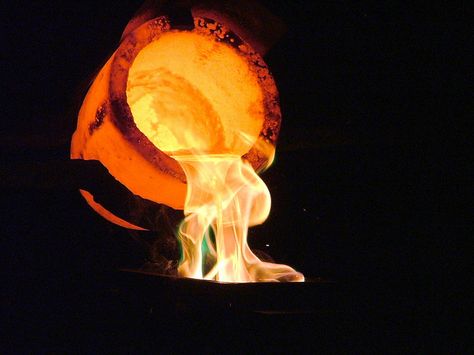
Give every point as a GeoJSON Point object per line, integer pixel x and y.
{"type": "Point", "coordinates": [199, 101]}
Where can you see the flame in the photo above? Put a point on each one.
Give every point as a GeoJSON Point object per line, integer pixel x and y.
{"type": "Point", "coordinates": [199, 101]}
{"type": "Point", "coordinates": [225, 197]}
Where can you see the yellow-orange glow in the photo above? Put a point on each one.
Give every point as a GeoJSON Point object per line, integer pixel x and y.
{"type": "Point", "coordinates": [108, 145]}
{"type": "Point", "coordinates": [188, 92]}
{"type": "Point", "coordinates": [199, 101]}
{"type": "Point", "coordinates": [187, 119]}
{"type": "Point", "coordinates": [225, 195]}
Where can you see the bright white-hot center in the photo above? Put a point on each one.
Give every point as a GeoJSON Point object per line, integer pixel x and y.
{"type": "Point", "coordinates": [199, 101]}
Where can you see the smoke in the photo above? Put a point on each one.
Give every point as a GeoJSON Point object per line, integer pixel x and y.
{"type": "Point", "coordinates": [160, 245]}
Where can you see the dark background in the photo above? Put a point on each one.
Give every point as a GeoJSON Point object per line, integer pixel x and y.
{"type": "Point", "coordinates": [363, 87]}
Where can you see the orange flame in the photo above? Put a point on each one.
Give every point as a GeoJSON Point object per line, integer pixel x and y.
{"type": "Point", "coordinates": [199, 101]}
{"type": "Point", "coordinates": [225, 194]}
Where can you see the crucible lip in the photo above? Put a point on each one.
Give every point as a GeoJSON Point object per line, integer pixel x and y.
{"type": "Point", "coordinates": [122, 116]}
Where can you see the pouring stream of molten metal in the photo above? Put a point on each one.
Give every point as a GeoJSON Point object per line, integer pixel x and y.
{"type": "Point", "coordinates": [198, 101]}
